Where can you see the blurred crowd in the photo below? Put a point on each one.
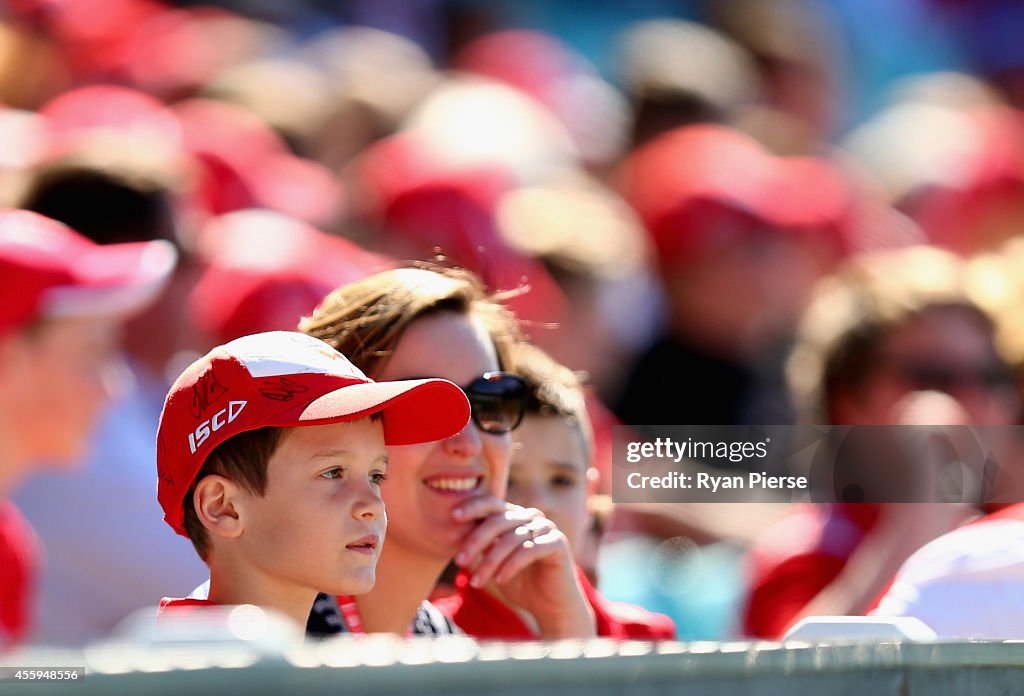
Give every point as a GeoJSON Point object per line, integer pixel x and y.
{"type": "Point", "coordinates": [717, 212]}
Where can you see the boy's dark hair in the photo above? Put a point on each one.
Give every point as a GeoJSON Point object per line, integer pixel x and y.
{"type": "Point", "coordinates": [554, 389]}
{"type": "Point", "coordinates": [243, 459]}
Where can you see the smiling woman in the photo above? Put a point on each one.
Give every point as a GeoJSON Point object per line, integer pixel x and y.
{"type": "Point", "coordinates": [446, 499]}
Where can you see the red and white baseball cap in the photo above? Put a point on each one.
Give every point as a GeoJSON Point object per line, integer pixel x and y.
{"type": "Point", "coordinates": [285, 379]}
{"type": "Point", "coordinates": [49, 270]}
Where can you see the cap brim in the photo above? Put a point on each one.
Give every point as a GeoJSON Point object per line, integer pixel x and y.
{"type": "Point", "coordinates": [113, 280]}
{"type": "Point", "coordinates": [414, 411]}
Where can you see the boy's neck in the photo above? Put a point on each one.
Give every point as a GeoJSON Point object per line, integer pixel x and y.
{"type": "Point", "coordinates": [232, 584]}
{"type": "Point", "coordinates": [404, 580]}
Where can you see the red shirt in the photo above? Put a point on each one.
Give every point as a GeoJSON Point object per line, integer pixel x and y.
{"type": "Point", "coordinates": [19, 554]}
{"type": "Point", "coordinates": [168, 604]}
{"type": "Point", "coordinates": [482, 615]}
{"type": "Point", "coordinates": [798, 557]}
{"type": "Point", "coordinates": [1014, 511]}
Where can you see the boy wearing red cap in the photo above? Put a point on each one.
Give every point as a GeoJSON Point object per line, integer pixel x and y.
{"type": "Point", "coordinates": [57, 289]}
{"type": "Point", "coordinates": [270, 456]}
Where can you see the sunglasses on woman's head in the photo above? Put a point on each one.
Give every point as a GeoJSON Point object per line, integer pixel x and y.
{"type": "Point", "coordinates": [497, 400]}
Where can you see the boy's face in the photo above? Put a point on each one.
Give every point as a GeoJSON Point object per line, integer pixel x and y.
{"type": "Point", "coordinates": [549, 472]}
{"type": "Point", "coordinates": [320, 523]}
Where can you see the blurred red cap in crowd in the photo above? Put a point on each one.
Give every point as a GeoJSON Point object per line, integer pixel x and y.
{"type": "Point", "coordinates": [246, 164]}
{"type": "Point", "coordinates": [267, 270]}
{"type": "Point", "coordinates": [175, 52]}
{"type": "Point", "coordinates": [111, 109]}
{"type": "Point", "coordinates": [687, 180]}
{"type": "Point", "coordinates": [560, 79]}
{"type": "Point", "coordinates": [427, 207]}
{"type": "Point", "coordinates": [164, 50]}
{"type": "Point", "coordinates": [395, 167]}
{"type": "Point", "coordinates": [49, 270]}
{"type": "Point", "coordinates": [529, 60]}
{"type": "Point", "coordinates": [983, 204]}
{"type": "Point", "coordinates": [92, 34]}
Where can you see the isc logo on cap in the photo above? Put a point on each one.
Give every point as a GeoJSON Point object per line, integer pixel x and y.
{"type": "Point", "coordinates": [212, 425]}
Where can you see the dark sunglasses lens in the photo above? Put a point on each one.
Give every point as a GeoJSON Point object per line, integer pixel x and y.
{"type": "Point", "coordinates": [924, 377]}
{"type": "Point", "coordinates": [947, 378]}
{"type": "Point", "coordinates": [498, 402]}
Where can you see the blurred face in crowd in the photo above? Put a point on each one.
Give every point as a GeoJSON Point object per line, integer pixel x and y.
{"type": "Point", "coordinates": [948, 350]}
{"type": "Point", "coordinates": [426, 481]}
{"type": "Point", "coordinates": [744, 289]}
{"type": "Point", "coordinates": [549, 472]}
{"type": "Point", "coordinates": [59, 376]}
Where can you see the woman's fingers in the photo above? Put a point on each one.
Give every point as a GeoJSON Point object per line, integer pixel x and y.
{"type": "Point", "coordinates": [492, 527]}
{"type": "Point", "coordinates": [521, 542]}
{"type": "Point", "coordinates": [543, 545]}
{"type": "Point", "coordinates": [480, 507]}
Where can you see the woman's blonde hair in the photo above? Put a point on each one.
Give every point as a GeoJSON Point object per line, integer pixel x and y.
{"type": "Point", "coordinates": [365, 319]}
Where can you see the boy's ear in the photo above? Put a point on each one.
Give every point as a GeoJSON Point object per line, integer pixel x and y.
{"type": "Point", "coordinates": [217, 501]}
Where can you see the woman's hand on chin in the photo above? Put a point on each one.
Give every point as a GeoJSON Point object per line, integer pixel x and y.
{"type": "Point", "coordinates": [529, 560]}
